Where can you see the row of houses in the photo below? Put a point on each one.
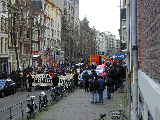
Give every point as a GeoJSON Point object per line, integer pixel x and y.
{"type": "Point", "coordinates": [107, 43]}
{"type": "Point", "coordinates": [31, 32]}
{"type": "Point", "coordinates": [47, 32]}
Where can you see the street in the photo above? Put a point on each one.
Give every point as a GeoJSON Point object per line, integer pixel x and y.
{"type": "Point", "coordinates": [15, 98]}
{"type": "Point", "coordinates": [12, 106]}
{"type": "Point", "coordinates": [77, 106]}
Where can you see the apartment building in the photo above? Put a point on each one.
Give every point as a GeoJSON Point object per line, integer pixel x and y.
{"type": "Point", "coordinates": [107, 42]}
{"type": "Point", "coordinates": [5, 60]}
{"type": "Point", "coordinates": [52, 35]}
{"type": "Point", "coordinates": [48, 36]}
{"type": "Point", "coordinates": [70, 29]}
{"type": "Point", "coordinates": [14, 36]}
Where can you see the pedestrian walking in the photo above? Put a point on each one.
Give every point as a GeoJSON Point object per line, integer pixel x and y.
{"type": "Point", "coordinates": [101, 88]}
{"type": "Point", "coordinates": [110, 85]}
{"type": "Point", "coordinates": [94, 74]}
{"type": "Point", "coordinates": [113, 74]}
{"type": "Point", "coordinates": [75, 78]}
{"type": "Point", "coordinates": [30, 81]}
{"type": "Point", "coordinates": [94, 86]}
{"type": "Point", "coordinates": [86, 78]}
{"type": "Point", "coordinates": [55, 80]}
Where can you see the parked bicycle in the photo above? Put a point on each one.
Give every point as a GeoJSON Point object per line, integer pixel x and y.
{"type": "Point", "coordinates": [31, 107]}
{"type": "Point", "coordinates": [43, 101]}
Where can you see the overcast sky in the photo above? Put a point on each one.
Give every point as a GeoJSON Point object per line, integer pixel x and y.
{"type": "Point", "coordinates": [103, 14]}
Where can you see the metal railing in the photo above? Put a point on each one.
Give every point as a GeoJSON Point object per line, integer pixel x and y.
{"type": "Point", "coordinates": [13, 112]}
{"type": "Point", "coordinates": [18, 111]}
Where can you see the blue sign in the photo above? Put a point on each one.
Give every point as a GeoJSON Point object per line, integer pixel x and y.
{"type": "Point", "coordinates": [120, 56]}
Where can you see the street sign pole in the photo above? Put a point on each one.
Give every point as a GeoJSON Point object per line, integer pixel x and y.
{"type": "Point", "coordinates": [135, 58]}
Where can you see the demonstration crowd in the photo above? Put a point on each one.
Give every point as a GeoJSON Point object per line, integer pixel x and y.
{"type": "Point", "coordinates": [91, 82]}
{"type": "Point", "coordinates": [24, 79]}
{"type": "Point", "coordinates": [96, 84]}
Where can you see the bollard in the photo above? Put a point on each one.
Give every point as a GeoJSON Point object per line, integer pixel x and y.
{"type": "Point", "coordinates": [22, 111]}
{"type": "Point", "coordinates": [10, 113]}
{"type": "Point", "coordinates": [39, 103]}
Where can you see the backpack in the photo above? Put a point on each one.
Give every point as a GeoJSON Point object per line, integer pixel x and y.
{"type": "Point", "coordinates": [94, 85]}
{"type": "Point", "coordinates": [109, 81]}
{"type": "Point", "coordinates": [101, 84]}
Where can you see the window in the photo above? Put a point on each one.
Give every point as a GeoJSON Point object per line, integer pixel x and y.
{"type": "Point", "coordinates": [20, 46]}
{"type": "Point", "coordinates": [6, 25]}
{"type": "Point", "coordinates": [3, 7]}
{"type": "Point", "coordinates": [1, 44]}
{"type": "Point", "coordinates": [6, 44]}
{"type": "Point", "coordinates": [28, 34]}
{"type": "Point", "coordinates": [2, 24]}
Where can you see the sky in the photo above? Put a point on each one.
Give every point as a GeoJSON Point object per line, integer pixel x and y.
{"type": "Point", "coordinates": [104, 15]}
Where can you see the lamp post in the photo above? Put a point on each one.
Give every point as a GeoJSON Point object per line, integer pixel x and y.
{"type": "Point", "coordinates": [135, 57]}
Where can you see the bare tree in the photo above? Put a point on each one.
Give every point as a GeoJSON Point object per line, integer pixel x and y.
{"type": "Point", "coordinates": [18, 14]}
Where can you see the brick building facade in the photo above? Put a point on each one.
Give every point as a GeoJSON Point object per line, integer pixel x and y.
{"type": "Point", "coordinates": [149, 37]}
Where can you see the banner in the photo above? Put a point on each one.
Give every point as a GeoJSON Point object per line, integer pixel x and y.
{"type": "Point", "coordinates": [46, 80]}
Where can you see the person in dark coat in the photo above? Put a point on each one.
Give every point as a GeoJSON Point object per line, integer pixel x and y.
{"type": "Point", "coordinates": [110, 85]}
{"type": "Point", "coordinates": [55, 80]}
{"type": "Point", "coordinates": [114, 75]}
{"type": "Point", "coordinates": [94, 86]}
{"type": "Point", "coordinates": [94, 74]}
{"type": "Point", "coordinates": [25, 80]}
{"type": "Point", "coordinates": [101, 88]}
{"type": "Point", "coordinates": [30, 81]}
{"type": "Point", "coordinates": [86, 78]}
{"type": "Point", "coordinates": [75, 78]}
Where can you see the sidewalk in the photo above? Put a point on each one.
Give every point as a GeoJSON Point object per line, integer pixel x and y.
{"type": "Point", "coordinates": [77, 106]}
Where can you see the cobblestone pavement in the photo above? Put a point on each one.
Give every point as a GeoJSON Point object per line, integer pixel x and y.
{"type": "Point", "coordinates": [77, 106]}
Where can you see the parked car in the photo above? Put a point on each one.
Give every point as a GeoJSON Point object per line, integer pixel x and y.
{"type": "Point", "coordinates": [7, 87]}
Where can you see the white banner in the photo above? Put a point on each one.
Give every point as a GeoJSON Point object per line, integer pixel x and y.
{"type": "Point", "coordinates": [46, 80]}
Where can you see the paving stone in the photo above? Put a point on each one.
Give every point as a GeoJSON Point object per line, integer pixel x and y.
{"type": "Point", "coordinates": [77, 106]}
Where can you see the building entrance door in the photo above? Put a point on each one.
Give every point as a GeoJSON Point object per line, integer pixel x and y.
{"type": "Point", "coordinates": [4, 65]}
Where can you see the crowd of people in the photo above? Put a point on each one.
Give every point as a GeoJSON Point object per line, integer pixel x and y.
{"type": "Point", "coordinates": [97, 83]}
{"type": "Point", "coordinates": [24, 79]}
{"type": "Point", "coordinates": [91, 82]}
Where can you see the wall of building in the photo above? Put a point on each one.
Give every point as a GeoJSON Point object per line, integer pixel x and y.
{"type": "Point", "coordinates": [107, 42]}
{"type": "Point", "coordinates": [148, 37]}
{"type": "Point", "coordinates": [4, 53]}
{"type": "Point", "coordinates": [149, 57]}
{"type": "Point", "coordinates": [70, 29]}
